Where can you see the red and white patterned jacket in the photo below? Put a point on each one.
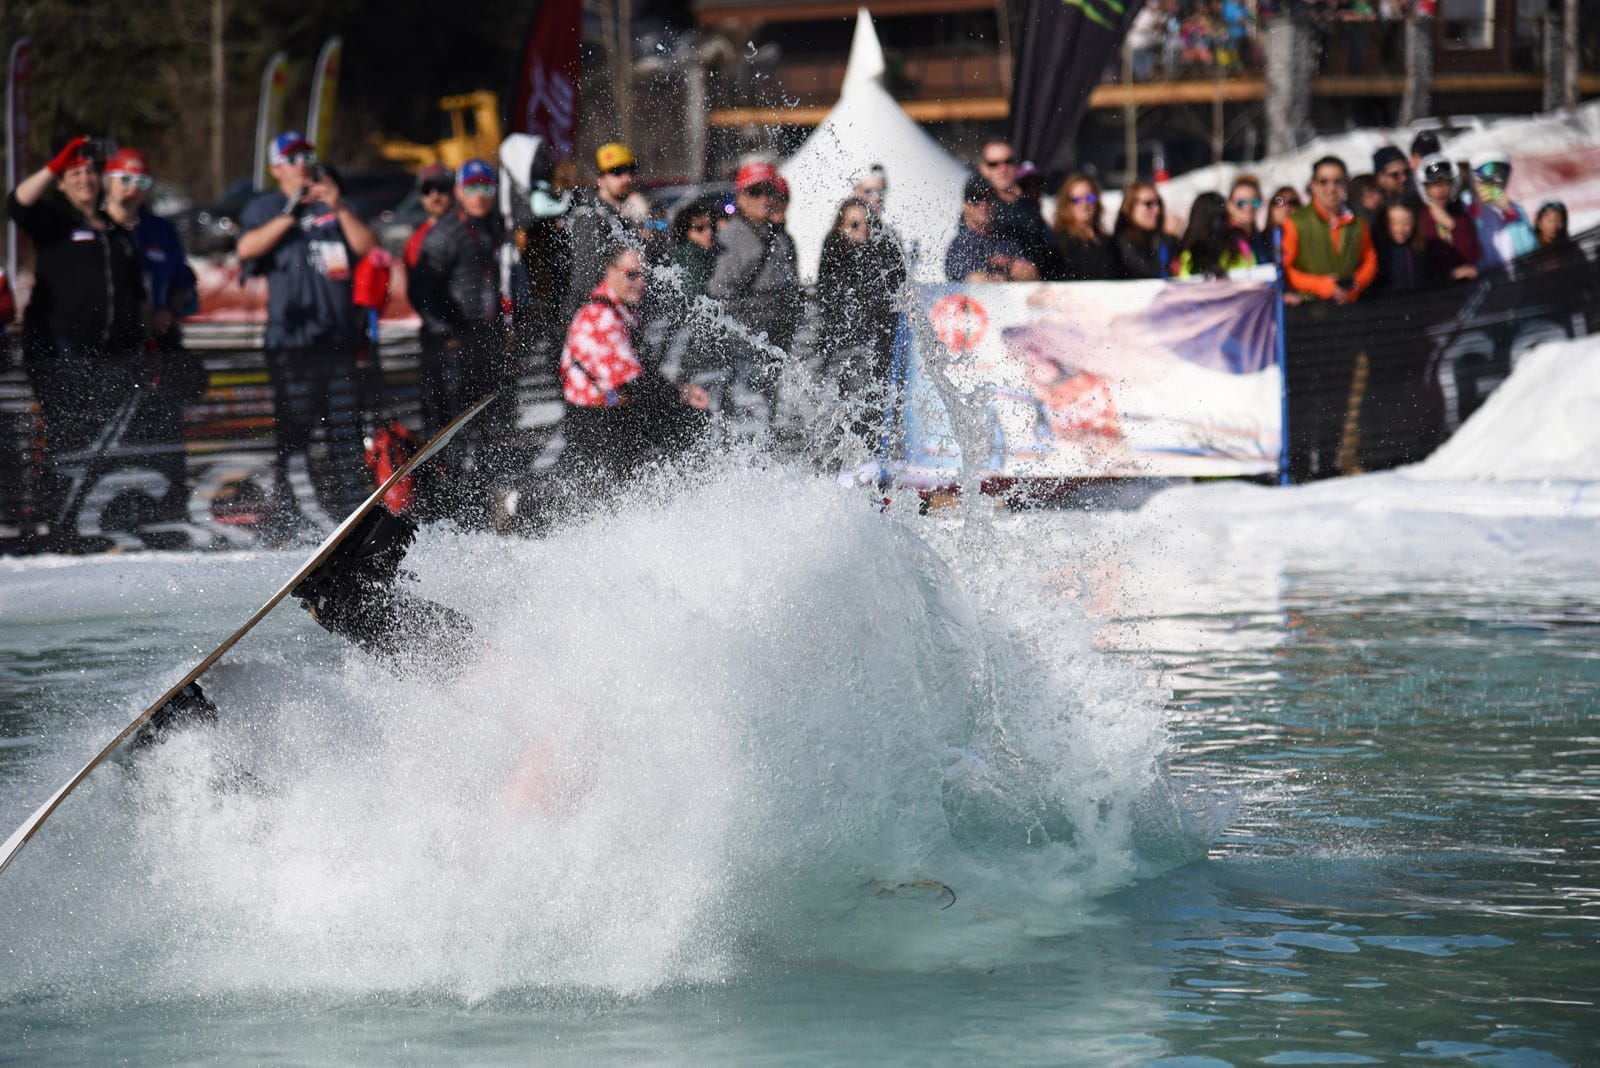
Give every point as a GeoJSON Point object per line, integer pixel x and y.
{"type": "Point", "coordinates": [599, 358]}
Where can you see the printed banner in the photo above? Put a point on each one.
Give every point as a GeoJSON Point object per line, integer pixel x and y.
{"type": "Point", "coordinates": [269, 114]}
{"type": "Point", "coordinates": [18, 81]}
{"type": "Point", "coordinates": [324, 92]}
{"type": "Point", "coordinates": [1094, 380]}
{"type": "Point", "coordinates": [546, 96]}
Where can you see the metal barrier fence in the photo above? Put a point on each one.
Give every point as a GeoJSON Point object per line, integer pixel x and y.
{"type": "Point", "coordinates": [1384, 381]}
{"type": "Point", "coordinates": [208, 484]}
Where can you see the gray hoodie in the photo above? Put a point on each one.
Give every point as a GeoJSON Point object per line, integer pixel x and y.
{"type": "Point", "coordinates": [756, 277]}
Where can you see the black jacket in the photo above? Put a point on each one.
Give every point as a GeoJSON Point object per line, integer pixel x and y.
{"type": "Point", "coordinates": [456, 284]}
{"type": "Point", "coordinates": [88, 284]}
{"type": "Point", "coordinates": [856, 290]}
{"type": "Point", "coordinates": [1082, 261]}
{"type": "Point", "coordinates": [594, 225]}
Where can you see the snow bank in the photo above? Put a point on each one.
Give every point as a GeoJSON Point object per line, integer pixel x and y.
{"type": "Point", "coordinates": [1541, 423]}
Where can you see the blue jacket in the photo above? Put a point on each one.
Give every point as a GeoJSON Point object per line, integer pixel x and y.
{"type": "Point", "coordinates": [1504, 233]}
{"type": "Point", "coordinates": [168, 280]}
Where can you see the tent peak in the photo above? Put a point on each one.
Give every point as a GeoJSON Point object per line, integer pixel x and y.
{"type": "Point", "coordinates": [866, 54]}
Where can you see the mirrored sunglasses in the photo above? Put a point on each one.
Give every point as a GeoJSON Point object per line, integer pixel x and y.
{"type": "Point", "coordinates": [1248, 202]}
{"type": "Point", "coordinates": [296, 158]}
{"type": "Point", "coordinates": [1086, 198]}
{"type": "Point", "coordinates": [136, 181]}
{"type": "Point", "coordinates": [1493, 172]}
{"type": "Point", "coordinates": [478, 189]}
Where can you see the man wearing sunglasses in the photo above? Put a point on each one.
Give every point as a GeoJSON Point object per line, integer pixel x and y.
{"type": "Point", "coordinates": [1327, 248]}
{"type": "Point", "coordinates": [1016, 218]}
{"type": "Point", "coordinates": [435, 184]}
{"type": "Point", "coordinates": [456, 290]}
{"type": "Point", "coordinates": [1505, 230]}
{"type": "Point", "coordinates": [597, 222]}
{"type": "Point", "coordinates": [304, 239]}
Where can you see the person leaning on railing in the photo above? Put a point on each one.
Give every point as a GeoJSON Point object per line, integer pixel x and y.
{"type": "Point", "coordinates": [1327, 248]}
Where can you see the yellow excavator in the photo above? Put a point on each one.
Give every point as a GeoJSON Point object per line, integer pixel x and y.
{"type": "Point", "coordinates": [474, 134]}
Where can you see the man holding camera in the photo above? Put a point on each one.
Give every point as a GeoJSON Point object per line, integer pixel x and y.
{"type": "Point", "coordinates": [305, 240]}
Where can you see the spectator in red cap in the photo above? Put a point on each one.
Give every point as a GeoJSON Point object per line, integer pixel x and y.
{"type": "Point", "coordinates": [756, 277]}
{"type": "Point", "coordinates": [305, 239]}
{"type": "Point", "coordinates": [83, 331]}
{"type": "Point", "coordinates": [169, 282]}
{"type": "Point", "coordinates": [170, 285]}
{"type": "Point", "coordinates": [434, 183]}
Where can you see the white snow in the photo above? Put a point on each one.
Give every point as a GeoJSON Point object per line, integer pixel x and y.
{"type": "Point", "coordinates": [1542, 423]}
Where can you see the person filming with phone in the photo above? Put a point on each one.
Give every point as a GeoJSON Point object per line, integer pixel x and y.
{"type": "Point", "coordinates": [305, 240]}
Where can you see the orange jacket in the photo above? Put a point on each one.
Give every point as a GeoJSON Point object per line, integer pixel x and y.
{"type": "Point", "coordinates": [1322, 285]}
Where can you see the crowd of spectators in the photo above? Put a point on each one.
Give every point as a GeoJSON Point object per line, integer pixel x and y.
{"type": "Point", "coordinates": [663, 330]}
{"type": "Point", "coordinates": [1412, 222]}
{"type": "Point", "coordinates": [1173, 39]}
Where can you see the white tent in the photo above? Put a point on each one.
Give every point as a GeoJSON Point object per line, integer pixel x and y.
{"type": "Point", "coordinates": [865, 127]}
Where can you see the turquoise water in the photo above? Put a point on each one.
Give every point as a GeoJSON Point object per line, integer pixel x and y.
{"type": "Point", "coordinates": [1234, 779]}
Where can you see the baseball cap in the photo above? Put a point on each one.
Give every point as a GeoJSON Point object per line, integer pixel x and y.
{"type": "Point", "coordinates": [127, 161]}
{"type": "Point", "coordinates": [474, 170]}
{"type": "Point", "coordinates": [614, 154]}
{"type": "Point", "coordinates": [288, 142]}
{"type": "Point", "coordinates": [434, 174]}
{"type": "Point", "coordinates": [977, 190]}
{"type": "Point", "coordinates": [758, 173]}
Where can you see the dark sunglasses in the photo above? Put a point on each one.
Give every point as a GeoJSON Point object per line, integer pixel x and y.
{"type": "Point", "coordinates": [762, 190]}
{"type": "Point", "coordinates": [1086, 198]}
{"type": "Point", "coordinates": [434, 188]}
{"type": "Point", "coordinates": [626, 168]}
{"type": "Point", "coordinates": [1008, 161]}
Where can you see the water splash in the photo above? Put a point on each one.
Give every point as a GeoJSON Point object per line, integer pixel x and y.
{"type": "Point", "coordinates": [737, 719]}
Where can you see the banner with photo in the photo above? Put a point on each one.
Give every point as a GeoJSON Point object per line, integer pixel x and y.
{"type": "Point", "coordinates": [1072, 380]}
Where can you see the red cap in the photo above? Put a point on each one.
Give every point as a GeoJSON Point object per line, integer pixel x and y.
{"type": "Point", "coordinates": [755, 174]}
{"type": "Point", "coordinates": [127, 161]}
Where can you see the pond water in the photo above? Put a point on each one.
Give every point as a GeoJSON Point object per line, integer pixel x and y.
{"type": "Point", "coordinates": [749, 773]}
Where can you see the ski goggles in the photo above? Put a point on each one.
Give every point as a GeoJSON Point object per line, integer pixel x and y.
{"type": "Point", "coordinates": [1439, 171]}
{"type": "Point", "coordinates": [478, 189]}
{"type": "Point", "coordinates": [1498, 173]}
{"type": "Point", "coordinates": [133, 181]}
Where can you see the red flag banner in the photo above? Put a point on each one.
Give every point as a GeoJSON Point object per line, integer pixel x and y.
{"type": "Point", "coordinates": [547, 85]}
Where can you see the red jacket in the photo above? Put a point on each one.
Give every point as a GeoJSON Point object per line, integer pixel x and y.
{"type": "Point", "coordinates": [599, 357]}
